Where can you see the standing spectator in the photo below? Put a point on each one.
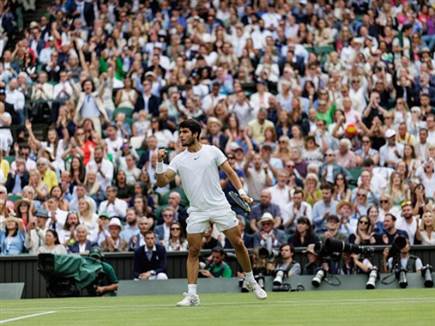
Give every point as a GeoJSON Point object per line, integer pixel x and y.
{"type": "Point", "coordinates": [257, 174]}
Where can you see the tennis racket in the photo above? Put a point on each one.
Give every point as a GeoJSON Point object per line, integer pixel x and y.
{"type": "Point", "coordinates": [239, 201]}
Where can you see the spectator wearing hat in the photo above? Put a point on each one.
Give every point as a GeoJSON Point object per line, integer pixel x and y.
{"type": "Point", "coordinates": [35, 233]}
{"type": "Point", "coordinates": [150, 260]}
{"type": "Point", "coordinates": [114, 242]}
{"type": "Point", "coordinates": [332, 229]}
{"type": "Point", "coordinates": [267, 236]}
{"type": "Point", "coordinates": [391, 153]}
{"type": "Point", "coordinates": [12, 237]}
{"type": "Point", "coordinates": [265, 205]}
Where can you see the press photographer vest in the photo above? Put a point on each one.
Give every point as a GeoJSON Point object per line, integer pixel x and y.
{"type": "Point", "coordinates": [410, 265]}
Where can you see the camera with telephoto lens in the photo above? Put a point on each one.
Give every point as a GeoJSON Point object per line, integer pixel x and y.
{"type": "Point", "coordinates": [278, 282]}
{"type": "Point", "coordinates": [318, 278]}
{"type": "Point", "coordinates": [373, 277]}
{"type": "Point", "coordinates": [401, 277]}
{"type": "Point", "coordinates": [332, 246]}
{"type": "Point", "coordinates": [263, 263]}
{"type": "Point", "coordinates": [426, 273]}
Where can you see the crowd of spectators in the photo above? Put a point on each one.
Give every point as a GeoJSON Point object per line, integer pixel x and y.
{"type": "Point", "coordinates": [324, 108]}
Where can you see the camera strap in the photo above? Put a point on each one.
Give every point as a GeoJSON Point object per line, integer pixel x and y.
{"type": "Point", "coordinates": [389, 279]}
{"type": "Point", "coordinates": [332, 280]}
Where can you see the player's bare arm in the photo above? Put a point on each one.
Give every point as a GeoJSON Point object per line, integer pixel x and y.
{"type": "Point", "coordinates": [234, 178]}
{"type": "Point", "coordinates": [163, 178]}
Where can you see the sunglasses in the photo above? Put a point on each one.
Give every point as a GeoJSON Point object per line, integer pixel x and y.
{"type": "Point", "coordinates": [383, 201]}
{"type": "Point", "coordinates": [364, 222]}
{"type": "Point", "coordinates": [167, 215]}
{"type": "Point", "coordinates": [330, 154]}
{"type": "Point", "coordinates": [366, 141]}
{"type": "Point", "coordinates": [175, 229]}
{"type": "Point", "coordinates": [361, 195]}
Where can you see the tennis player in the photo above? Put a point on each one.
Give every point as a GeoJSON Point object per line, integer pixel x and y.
{"type": "Point", "coordinates": [198, 167]}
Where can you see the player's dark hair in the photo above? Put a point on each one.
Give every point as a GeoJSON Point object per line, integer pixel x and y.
{"type": "Point", "coordinates": [192, 125]}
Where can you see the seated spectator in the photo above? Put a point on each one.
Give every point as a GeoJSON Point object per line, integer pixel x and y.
{"type": "Point", "coordinates": [113, 242]}
{"type": "Point", "coordinates": [373, 215]}
{"type": "Point", "coordinates": [257, 174]}
{"type": "Point", "coordinates": [180, 212]}
{"type": "Point", "coordinates": [130, 229]}
{"type": "Point", "coordinates": [324, 207]}
{"type": "Point", "coordinates": [35, 233]}
{"type": "Point", "coordinates": [18, 179]}
{"type": "Point", "coordinates": [312, 193]}
{"type": "Point", "coordinates": [100, 233]}
{"type": "Point", "coordinates": [12, 237]}
{"type": "Point", "coordinates": [386, 206]}
{"type": "Point", "coordinates": [163, 230]}
{"type": "Point", "coordinates": [113, 205]}
{"type": "Point", "coordinates": [208, 240]}
{"type": "Point", "coordinates": [102, 167]}
{"type": "Point", "coordinates": [150, 260]}
{"type": "Point", "coordinates": [177, 240]}
{"type": "Point", "coordinates": [295, 209]}
{"type": "Point", "coordinates": [332, 229]}
{"type": "Point", "coordinates": [407, 221]}
{"type": "Point", "coordinates": [267, 236]}
{"type": "Point", "coordinates": [66, 234]}
{"type": "Point", "coordinates": [216, 266]}
{"type": "Point", "coordinates": [390, 231]}
{"type": "Point", "coordinates": [81, 245]}
{"type": "Point", "coordinates": [145, 224]}
{"type": "Point", "coordinates": [329, 170]}
{"type": "Point", "coordinates": [426, 229]}
{"type": "Point", "coordinates": [348, 220]}
{"type": "Point", "coordinates": [304, 234]}
{"type": "Point", "coordinates": [52, 244]}
{"type": "Point", "coordinates": [364, 234]}
{"type": "Point", "coordinates": [86, 215]}
{"type": "Point", "coordinates": [265, 205]}
{"type": "Point", "coordinates": [341, 188]}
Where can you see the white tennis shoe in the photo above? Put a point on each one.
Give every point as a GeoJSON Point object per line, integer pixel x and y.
{"type": "Point", "coordinates": [254, 287]}
{"type": "Point", "coordinates": [189, 300]}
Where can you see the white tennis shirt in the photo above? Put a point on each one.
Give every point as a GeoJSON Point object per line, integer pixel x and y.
{"type": "Point", "coordinates": [199, 173]}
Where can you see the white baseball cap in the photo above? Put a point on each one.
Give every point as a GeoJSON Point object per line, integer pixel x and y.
{"type": "Point", "coordinates": [114, 221]}
{"type": "Point", "coordinates": [390, 133]}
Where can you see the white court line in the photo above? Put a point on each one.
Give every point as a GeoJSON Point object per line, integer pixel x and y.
{"type": "Point", "coordinates": [26, 316]}
{"type": "Point", "coordinates": [292, 303]}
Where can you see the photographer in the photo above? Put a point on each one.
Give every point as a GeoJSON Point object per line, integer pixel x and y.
{"type": "Point", "coordinates": [216, 266]}
{"type": "Point", "coordinates": [285, 266]}
{"type": "Point", "coordinates": [396, 259]}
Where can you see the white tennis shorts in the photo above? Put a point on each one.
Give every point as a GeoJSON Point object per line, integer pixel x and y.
{"type": "Point", "coordinates": [199, 222]}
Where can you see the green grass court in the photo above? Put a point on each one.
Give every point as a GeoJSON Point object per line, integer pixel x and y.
{"type": "Point", "coordinates": [378, 307]}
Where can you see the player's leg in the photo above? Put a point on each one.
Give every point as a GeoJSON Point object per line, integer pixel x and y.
{"type": "Point", "coordinates": [191, 298]}
{"type": "Point", "coordinates": [234, 236]}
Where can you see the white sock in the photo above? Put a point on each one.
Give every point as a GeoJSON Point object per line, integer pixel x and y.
{"type": "Point", "coordinates": [191, 289]}
{"type": "Point", "coordinates": [249, 276]}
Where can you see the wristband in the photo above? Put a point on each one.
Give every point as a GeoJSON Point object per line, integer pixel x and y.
{"type": "Point", "coordinates": [159, 168]}
{"type": "Point", "coordinates": [242, 192]}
